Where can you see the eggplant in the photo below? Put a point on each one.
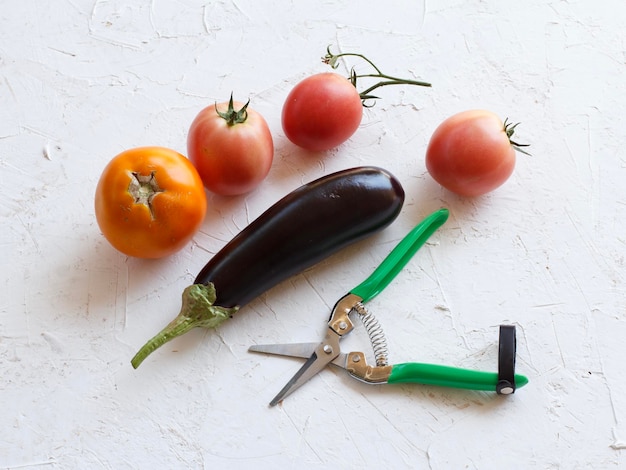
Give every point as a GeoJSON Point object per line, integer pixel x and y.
{"type": "Point", "coordinates": [300, 230]}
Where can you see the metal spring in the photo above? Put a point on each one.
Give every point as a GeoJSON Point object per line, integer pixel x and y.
{"type": "Point", "coordinates": [375, 333]}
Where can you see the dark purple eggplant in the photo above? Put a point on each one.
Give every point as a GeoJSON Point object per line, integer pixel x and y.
{"type": "Point", "coordinates": [306, 226]}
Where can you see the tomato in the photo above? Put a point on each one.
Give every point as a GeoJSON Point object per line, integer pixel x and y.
{"type": "Point", "coordinates": [149, 202]}
{"type": "Point", "coordinates": [471, 153]}
{"type": "Point", "coordinates": [232, 149]}
{"type": "Point", "coordinates": [322, 112]}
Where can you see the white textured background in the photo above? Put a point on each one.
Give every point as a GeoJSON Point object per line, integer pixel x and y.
{"type": "Point", "coordinates": [81, 81]}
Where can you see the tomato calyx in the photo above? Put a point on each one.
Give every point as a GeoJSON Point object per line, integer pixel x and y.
{"type": "Point", "coordinates": [509, 129]}
{"type": "Point", "coordinates": [143, 189]}
{"type": "Point", "coordinates": [232, 116]}
{"type": "Point", "coordinates": [365, 95]}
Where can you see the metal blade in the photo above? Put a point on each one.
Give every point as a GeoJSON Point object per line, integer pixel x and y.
{"type": "Point", "coordinates": [303, 350]}
{"type": "Point", "coordinates": [300, 350]}
{"type": "Point", "coordinates": [324, 353]}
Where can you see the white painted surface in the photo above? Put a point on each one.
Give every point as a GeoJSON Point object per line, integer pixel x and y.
{"type": "Point", "coordinates": [80, 81]}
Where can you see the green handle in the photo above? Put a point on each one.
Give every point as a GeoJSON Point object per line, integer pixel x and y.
{"type": "Point", "coordinates": [400, 256]}
{"type": "Point", "coordinates": [447, 376]}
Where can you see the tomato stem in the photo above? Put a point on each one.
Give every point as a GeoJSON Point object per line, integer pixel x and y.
{"type": "Point", "coordinates": [332, 60]}
{"type": "Point", "coordinates": [197, 311]}
{"type": "Point", "coordinates": [509, 128]}
{"type": "Point", "coordinates": [231, 116]}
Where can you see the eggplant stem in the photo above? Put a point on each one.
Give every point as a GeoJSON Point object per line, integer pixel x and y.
{"type": "Point", "coordinates": [177, 327]}
{"type": "Point", "coordinates": [197, 310]}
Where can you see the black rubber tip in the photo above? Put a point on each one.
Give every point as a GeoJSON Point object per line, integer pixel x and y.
{"type": "Point", "coordinates": [506, 360]}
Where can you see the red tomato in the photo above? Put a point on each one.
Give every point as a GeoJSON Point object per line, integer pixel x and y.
{"type": "Point", "coordinates": [322, 112]}
{"type": "Point", "coordinates": [149, 202]}
{"type": "Point", "coordinates": [232, 150]}
{"type": "Point", "coordinates": [471, 153]}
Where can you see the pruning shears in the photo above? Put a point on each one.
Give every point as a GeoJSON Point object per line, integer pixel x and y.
{"type": "Point", "coordinates": [319, 355]}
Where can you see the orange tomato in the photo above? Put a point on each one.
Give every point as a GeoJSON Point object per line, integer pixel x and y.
{"type": "Point", "coordinates": [149, 202]}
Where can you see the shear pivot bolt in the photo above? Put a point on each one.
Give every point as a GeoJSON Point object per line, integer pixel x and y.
{"type": "Point", "coordinates": [343, 325]}
{"type": "Point", "coordinates": [328, 349]}
{"type": "Point", "coordinates": [356, 358]}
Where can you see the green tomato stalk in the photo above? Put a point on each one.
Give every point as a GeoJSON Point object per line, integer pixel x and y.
{"type": "Point", "coordinates": [233, 116]}
{"type": "Point", "coordinates": [332, 60]}
{"type": "Point", "coordinates": [197, 311]}
{"type": "Point", "coordinates": [509, 128]}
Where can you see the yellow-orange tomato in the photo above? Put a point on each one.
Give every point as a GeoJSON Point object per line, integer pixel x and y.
{"type": "Point", "coordinates": [149, 202]}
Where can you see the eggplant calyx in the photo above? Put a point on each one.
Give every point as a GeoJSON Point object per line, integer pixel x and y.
{"type": "Point", "coordinates": [232, 116]}
{"type": "Point", "coordinates": [197, 310]}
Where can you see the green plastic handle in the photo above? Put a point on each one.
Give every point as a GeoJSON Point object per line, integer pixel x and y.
{"type": "Point", "coordinates": [447, 376]}
{"type": "Point", "coordinates": [400, 256]}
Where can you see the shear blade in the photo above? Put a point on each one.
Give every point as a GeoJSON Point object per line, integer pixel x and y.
{"type": "Point", "coordinates": [323, 354]}
{"type": "Point", "coordinates": [297, 350]}
{"type": "Point", "coordinates": [310, 368]}
{"type": "Point", "coordinates": [302, 350]}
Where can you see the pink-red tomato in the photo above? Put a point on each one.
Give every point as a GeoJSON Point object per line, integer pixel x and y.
{"type": "Point", "coordinates": [231, 147]}
{"type": "Point", "coordinates": [470, 153]}
{"type": "Point", "coordinates": [322, 112]}
{"type": "Point", "coordinates": [149, 202]}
